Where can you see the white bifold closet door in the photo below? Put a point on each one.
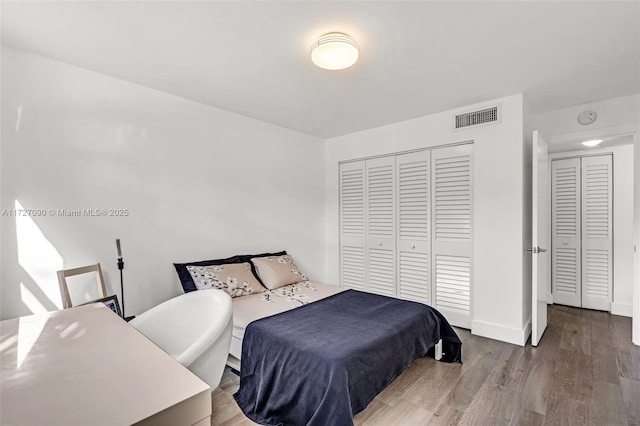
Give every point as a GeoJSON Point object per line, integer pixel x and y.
{"type": "Point", "coordinates": [353, 269]}
{"type": "Point", "coordinates": [380, 227]}
{"type": "Point", "coordinates": [405, 228]}
{"type": "Point", "coordinates": [414, 226]}
{"type": "Point", "coordinates": [565, 231]}
{"type": "Point", "coordinates": [582, 231]}
{"type": "Point", "coordinates": [597, 232]}
{"type": "Point", "coordinates": [368, 225]}
{"type": "Point", "coordinates": [451, 201]}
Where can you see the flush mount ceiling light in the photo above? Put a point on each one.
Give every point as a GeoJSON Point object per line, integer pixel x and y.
{"type": "Point", "coordinates": [593, 142]}
{"type": "Point", "coordinates": [334, 51]}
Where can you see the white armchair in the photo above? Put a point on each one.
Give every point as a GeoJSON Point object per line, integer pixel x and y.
{"type": "Point", "coordinates": [194, 328]}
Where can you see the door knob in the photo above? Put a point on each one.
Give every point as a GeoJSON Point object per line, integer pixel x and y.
{"type": "Point", "coordinates": [536, 250]}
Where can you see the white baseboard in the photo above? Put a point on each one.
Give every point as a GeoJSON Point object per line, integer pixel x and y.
{"type": "Point", "coordinates": [491, 330]}
{"type": "Point", "coordinates": [622, 309]}
{"type": "Point", "coordinates": [549, 299]}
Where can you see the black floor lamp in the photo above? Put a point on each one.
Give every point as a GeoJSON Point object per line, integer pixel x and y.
{"type": "Point", "coordinates": [121, 267]}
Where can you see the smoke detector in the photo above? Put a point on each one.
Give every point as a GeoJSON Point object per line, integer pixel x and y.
{"type": "Point", "coordinates": [587, 117]}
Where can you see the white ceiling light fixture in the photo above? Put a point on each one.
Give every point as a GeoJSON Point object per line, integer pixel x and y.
{"type": "Point", "coordinates": [334, 51]}
{"type": "Point", "coordinates": [592, 142]}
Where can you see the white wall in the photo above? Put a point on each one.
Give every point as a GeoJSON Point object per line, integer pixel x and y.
{"type": "Point", "coordinates": [622, 111]}
{"type": "Point", "coordinates": [623, 158]}
{"type": "Point", "coordinates": [623, 240]}
{"type": "Point", "coordinates": [199, 183]}
{"type": "Point", "coordinates": [498, 204]}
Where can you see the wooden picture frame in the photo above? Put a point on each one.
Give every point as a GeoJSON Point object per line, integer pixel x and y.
{"type": "Point", "coordinates": [111, 302]}
{"type": "Point", "coordinates": [64, 288]}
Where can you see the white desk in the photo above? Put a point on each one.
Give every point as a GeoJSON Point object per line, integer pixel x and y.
{"type": "Point", "coordinates": [86, 366]}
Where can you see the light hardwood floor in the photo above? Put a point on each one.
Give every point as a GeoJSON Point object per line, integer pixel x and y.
{"type": "Point", "coordinates": [586, 371]}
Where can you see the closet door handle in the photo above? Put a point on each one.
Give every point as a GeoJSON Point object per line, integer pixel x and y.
{"type": "Point", "coordinates": [536, 250]}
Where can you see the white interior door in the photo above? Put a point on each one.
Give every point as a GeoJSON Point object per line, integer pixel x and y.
{"type": "Point", "coordinates": [566, 255]}
{"type": "Point", "coordinates": [597, 241]}
{"type": "Point", "coordinates": [540, 273]}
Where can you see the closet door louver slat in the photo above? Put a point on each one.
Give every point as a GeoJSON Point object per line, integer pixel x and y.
{"type": "Point", "coordinates": [453, 275]}
{"type": "Point", "coordinates": [451, 197]}
{"type": "Point", "coordinates": [414, 226]}
{"type": "Point", "coordinates": [565, 231]}
{"type": "Point", "coordinates": [566, 271]}
{"type": "Point", "coordinates": [597, 232]}
{"type": "Point", "coordinates": [353, 268]}
{"type": "Point", "coordinates": [381, 271]}
{"type": "Point", "coordinates": [413, 277]}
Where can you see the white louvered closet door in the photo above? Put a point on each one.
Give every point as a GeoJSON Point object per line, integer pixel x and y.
{"type": "Point", "coordinates": [452, 201]}
{"type": "Point", "coordinates": [381, 225]}
{"type": "Point", "coordinates": [413, 195]}
{"type": "Point", "coordinates": [565, 231]}
{"type": "Point", "coordinates": [352, 225]}
{"type": "Point", "coordinates": [597, 232]}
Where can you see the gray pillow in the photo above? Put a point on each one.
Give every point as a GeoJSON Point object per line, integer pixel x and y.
{"type": "Point", "coordinates": [277, 271]}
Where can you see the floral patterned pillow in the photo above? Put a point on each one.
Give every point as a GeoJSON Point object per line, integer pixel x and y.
{"type": "Point", "coordinates": [236, 279]}
{"type": "Point", "coordinates": [277, 271]}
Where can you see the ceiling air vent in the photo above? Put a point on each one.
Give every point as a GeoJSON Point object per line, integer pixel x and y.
{"type": "Point", "coordinates": [488, 115]}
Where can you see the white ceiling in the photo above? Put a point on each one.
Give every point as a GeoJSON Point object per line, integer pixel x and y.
{"type": "Point", "coordinates": [416, 58]}
{"type": "Point", "coordinates": [576, 145]}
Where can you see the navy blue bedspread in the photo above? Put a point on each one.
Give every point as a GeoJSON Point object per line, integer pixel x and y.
{"type": "Point", "coordinates": [322, 363]}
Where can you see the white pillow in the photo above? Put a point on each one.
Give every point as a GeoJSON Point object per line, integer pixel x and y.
{"type": "Point", "coordinates": [236, 279]}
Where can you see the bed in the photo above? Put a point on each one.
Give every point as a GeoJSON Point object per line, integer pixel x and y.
{"type": "Point", "coordinates": [247, 309]}
{"type": "Point", "coordinates": [314, 354]}
{"type": "Point", "coordinates": [323, 362]}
